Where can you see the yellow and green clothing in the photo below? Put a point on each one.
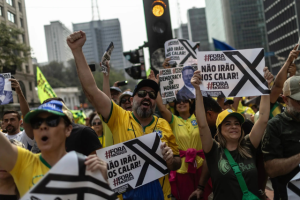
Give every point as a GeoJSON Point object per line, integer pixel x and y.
{"type": "Point", "coordinates": [102, 140]}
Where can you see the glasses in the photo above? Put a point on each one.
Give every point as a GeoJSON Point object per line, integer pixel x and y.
{"type": "Point", "coordinates": [51, 121]}
{"type": "Point", "coordinates": [97, 123]}
{"type": "Point", "coordinates": [294, 100]}
{"type": "Point", "coordinates": [143, 93]}
{"type": "Point", "coordinates": [183, 101]}
{"type": "Point", "coordinates": [124, 100]}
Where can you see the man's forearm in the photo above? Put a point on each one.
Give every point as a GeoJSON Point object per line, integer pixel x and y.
{"type": "Point", "coordinates": [282, 166]}
{"type": "Point", "coordinates": [175, 165]}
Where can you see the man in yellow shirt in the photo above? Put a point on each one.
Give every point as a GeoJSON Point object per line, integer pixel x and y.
{"type": "Point", "coordinates": [51, 124]}
{"type": "Point", "coordinates": [126, 125]}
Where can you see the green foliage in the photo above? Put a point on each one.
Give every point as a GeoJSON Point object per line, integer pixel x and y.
{"type": "Point", "coordinates": [11, 48]}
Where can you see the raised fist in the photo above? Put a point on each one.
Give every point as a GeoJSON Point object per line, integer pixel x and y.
{"type": "Point", "coordinates": [76, 40]}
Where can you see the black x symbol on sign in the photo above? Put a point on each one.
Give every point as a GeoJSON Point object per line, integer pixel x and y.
{"type": "Point", "coordinates": [247, 76]}
{"type": "Point", "coordinates": [148, 161]}
{"type": "Point", "coordinates": [187, 46]}
{"type": "Point", "coordinates": [294, 188]}
{"type": "Point", "coordinates": [42, 188]}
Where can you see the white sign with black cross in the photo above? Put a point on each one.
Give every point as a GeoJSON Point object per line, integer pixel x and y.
{"type": "Point", "coordinates": [293, 187]}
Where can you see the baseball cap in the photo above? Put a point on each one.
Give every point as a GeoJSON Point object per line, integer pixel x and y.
{"type": "Point", "coordinates": [146, 83]}
{"type": "Point", "coordinates": [127, 93]}
{"type": "Point", "coordinates": [54, 107]}
{"type": "Point", "coordinates": [116, 88]}
{"type": "Point", "coordinates": [291, 88]}
{"type": "Point", "coordinates": [228, 101]}
{"type": "Point", "coordinates": [226, 113]}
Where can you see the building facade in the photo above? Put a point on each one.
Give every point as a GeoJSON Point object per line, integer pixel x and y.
{"type": "Point", "coordinates": [57, 48]}
{"type": "Point", "coordinates": [99, 34]}
{"type": "Point", "coordinates": [13, 13]}
{"type": "Point", "coordinates": [282, 23]}
{"type": "Point", "coordinates": [197, 27]}
{"type": "Point", "coordinates": [70, 95]}
{"type": "Point", "coordinates": [182, 32]}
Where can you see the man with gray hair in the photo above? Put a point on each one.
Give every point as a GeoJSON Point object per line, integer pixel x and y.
{"type": "Point", "coordinates": [281, 142]}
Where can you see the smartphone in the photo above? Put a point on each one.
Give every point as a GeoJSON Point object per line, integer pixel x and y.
{"type": "Point", "coordinates": [122, 83]}
{"type": "Point", "coordinates": [12, 77]}
{"type": "Point", "coordinates": [92, 67]}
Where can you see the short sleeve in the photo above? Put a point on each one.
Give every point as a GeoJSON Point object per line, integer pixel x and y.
{"type": "Point", "coordinates": [116, 114]}
{"type": "Point", "coordinates": [89, 141]}
{"type": "Point", "coordinates": [271, 144]}
{"type": "Point", "coordinates": [27, 141]}
{"type": "Point", "coordinates": [168, 136]}
{"type": "Point", "coordinates": [24, 159]}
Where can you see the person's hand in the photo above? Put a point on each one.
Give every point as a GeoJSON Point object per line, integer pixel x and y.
{"type": "Point", "coordinates": [197, 193]}
{"type": "Point", "coordinates": [268, 76]}
{"type": "Point", "coordinates": [196, 79]}
{"type": "Point", "coordinates": [153, 78]}
{"type": "Point", "coordinates": [166, 63]}
{"type": "Point", "coordinates": [167, 153]}
{"type": "Point", "coordinates": [15, 84]}
{"type": "Point", "coordinates": [292, 69]}
{"type": "Point", "coordinates": [116, 84]}
{"type": "Point", "coordinates": [293, 54]}
{"type": "Point", "coordinates": [94, 163]}
{"type": "Point", "coordinates": [76, 40]}
{"type": "Point", "coordinates": [107, 66]}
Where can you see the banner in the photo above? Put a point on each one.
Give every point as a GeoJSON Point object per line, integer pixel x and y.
{"type": "Point", "coordinates": [106, 57]}
{"type": "Point", "coordinates": [79, 116]}
{"type": "Point", "coordinates": [181, 52]}
{"type": "Point", "coordinates": [69, 180]}
{"type": "Point", "coordinates": [293, 188]}
{"type": "Point", "coordinates": [6, 95]}
{"type": "Point", "coordinates": [236, 73]}
{"type": "Point", "coordinates": [134, 163]}
{"type": "Point", "coordinates": [44, 89]}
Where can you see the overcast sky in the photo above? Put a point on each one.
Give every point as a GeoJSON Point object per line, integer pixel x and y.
{"type": "Point", "coordinates": [129, 12]}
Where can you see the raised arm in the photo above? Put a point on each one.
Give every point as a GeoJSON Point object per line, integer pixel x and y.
{"type": "Point", "coordinates": [207, 141]}
{"type": "Point", "coordinates": [281, 77]}
{"type": "Point", "coordinates": [8, 154]}
{"type": "Point", "coordinates": [264, 113]}
{"type": "Point", "coordinates": [166, 114]}
{"type": "Point", "coordinates": [23, 105]}
{"type": "Point", "coordinates": [101, 101]}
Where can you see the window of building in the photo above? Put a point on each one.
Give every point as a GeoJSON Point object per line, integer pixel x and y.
{"type": "Point", "coordinates": [10, 2]}
{"type": "Point", "coordinates": [30, 86]}
{"type": "Point", "coordinates": [20, 6]}
{"type": "Point", "coordinates": [1, 11]}
{"type": "Point", "coordinates": [23, 38]}
{"type": "Point", "coordinates": [11, 17]}
{"type": "Point", "coordinates": [27, 69]}
{"type": "Point", "coordinates": [21, 23]}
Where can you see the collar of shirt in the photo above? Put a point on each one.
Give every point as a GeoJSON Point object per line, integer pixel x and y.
{"type": "Point", "coordinates": [191, 89]}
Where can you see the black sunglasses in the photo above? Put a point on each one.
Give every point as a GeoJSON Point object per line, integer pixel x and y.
{"type": "Point", "coordinates": [179, 101]}
{"type": "Point", "coordinates": [143, 93]}
{"type": "Point", "coordinates": [51, 121]}
{"type": "Point", "coordinates": [124, 100]}
{"type": "Point", "coordinates": [97, 123]}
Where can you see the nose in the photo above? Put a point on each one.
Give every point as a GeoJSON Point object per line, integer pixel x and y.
{"type": "Point", "coordinates": [44, 126]}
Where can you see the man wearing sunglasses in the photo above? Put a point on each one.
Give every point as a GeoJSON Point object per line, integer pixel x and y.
{"type": "Point", "coordinates": [51, 124]}
{"type": "Point", "coordinates": [126, 125]}
{"type": "Point", "coordinates": [281, 142]}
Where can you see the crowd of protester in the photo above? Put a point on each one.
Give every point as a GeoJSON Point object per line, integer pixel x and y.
{"type": "Point", "coordinates": [215, 148]}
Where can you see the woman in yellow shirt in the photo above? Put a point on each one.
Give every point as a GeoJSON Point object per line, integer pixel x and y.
{"type": "Point", "coordinates": [98, 128]}
{"type": "Point", "coordinates": [51, 124]}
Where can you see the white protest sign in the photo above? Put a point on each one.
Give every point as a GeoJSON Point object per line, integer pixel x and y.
{"type": "Point", "coordinates": [293, 188]}
{"type": "Point", "coordinates": [134, 163]}
{"type": "Point", "coordinates": [235, 73]}
{"type": "Point", "coordinates": [69, 180]}
{"type": "Point", "coordinates": [181, 52]}
{"type": "Point", "coordinates": [175, 83]}
{"type": "Point", "coordinates": [106, 57]}
{"type": "Point", "coordinates": [6, 96]}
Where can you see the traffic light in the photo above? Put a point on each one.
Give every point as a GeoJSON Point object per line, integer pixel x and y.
{"type": "Point", "coordinates": [136, 57]}
{"type": "Point", "coordinates": [159, 30]}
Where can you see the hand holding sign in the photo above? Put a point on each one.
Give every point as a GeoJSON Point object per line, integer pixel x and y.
{"type": "Point", "coordinates": [196, 79]}
{"type": "Point", "coordinates": [94, 163]}
{"type": "Point", "coordinates": [268, 75]}
{"type": "Point", "coordinates": [153, 78]}
{"type": "Point", "coordinates": [293, 54]}
{"type": "Point", "coordinates": [166, 64]}
{"type": "Point", "coordinates": [167, 153]}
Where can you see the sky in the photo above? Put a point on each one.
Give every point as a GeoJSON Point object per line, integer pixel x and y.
{"type": "Point", "coordinates": [129, 12]}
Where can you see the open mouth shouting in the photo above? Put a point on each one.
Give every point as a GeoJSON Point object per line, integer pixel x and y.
{"type": "Point", "coordinates": [145, 104]}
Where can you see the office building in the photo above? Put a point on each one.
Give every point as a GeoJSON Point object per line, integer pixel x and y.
{"type": "Point", "coordinates": [99, 34]}
{"type": "Point", "coordinates": [13, 14]}
{"type": "Point", "coordinates": [197, 27]}
{"type": "Point", "coordinates": [57, 48]}
{"type": "Point", "coordinates": [182, 32]}
{"type": "Point", "coordinates": [282, 23]}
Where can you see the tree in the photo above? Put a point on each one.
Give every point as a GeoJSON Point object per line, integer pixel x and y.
{"type": "Point", "coordinates": [12, 52]}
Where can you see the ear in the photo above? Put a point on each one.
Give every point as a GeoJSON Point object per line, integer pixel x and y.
{"type": "Point", "coordinates": [131, 100]}
{"type": "Point", "coordinates": [68, 130]}
{"type": "Point", "coordinates": [285, 99]}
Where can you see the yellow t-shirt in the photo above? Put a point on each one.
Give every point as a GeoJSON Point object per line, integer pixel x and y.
{"type": "Point", "coordinates": [28, 170]}
{"type": "Point", "coordinates": [187, 136]}
{"type": "Point", "coordinates": [125, 126]}
{"type": "Point", "coordinates": [108, 138]}
{"type": "Point", "coordinates": [102, 140]}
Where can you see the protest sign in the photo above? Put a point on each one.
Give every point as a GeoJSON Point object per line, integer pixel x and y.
{"type": "Point", "coordinates": [106, 57]}
{"type": "Point", "coordinates": [134, 163]}
{"type": "Point", "coordinates": [293, 188]}
{"type": "Point", "coordinates": [181, 52]}
{"type": "Point", "coordinates": [175, 83]}
{"type": "Point", "coordinates": [69, 180]}
{"type": "Point", "coordinates": [235, 73]}
{"type": "Point", "coordinates": [45, 91]}
{"type": "Point", "coordinates": [6, 96]}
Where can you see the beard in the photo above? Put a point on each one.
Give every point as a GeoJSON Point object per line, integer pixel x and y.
{"type": "Point", "coordinates": [143, 113]}
{"type": "Point", "coordinates": [11, 130]}
{"type": "Point", "coordinates": [294, 112]}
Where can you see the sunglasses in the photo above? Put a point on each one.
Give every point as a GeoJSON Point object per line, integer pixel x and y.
{"type": "Point", "coordinates": [143, 93]}
{"type": "Point", "coordinates": [294, 100]}
{"type": "Point", "coordinates": [183, 101]}
{"type": "Point", "coordinates": [97, 123]}
{"type": "Point", "coordinates": [124, 100]}
{"type": "Point", "coordinates": [51, 121]}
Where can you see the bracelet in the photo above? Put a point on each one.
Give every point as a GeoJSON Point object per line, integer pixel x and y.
{"type": "Point", "coordinates": [201, 187]}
